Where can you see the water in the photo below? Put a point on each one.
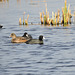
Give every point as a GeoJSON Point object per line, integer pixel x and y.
{"type": "Point", "coordinates": [55, 57]}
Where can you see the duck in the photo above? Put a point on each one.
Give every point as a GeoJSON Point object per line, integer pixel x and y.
{"type": "Point", "coordinates": [27, 36]}
{"type": "Point", "coordinates": [17, 39]}
{"type": "Point", "coordinates": [1, 26]}
{"type": "Point", "coordinates": [36, 41]}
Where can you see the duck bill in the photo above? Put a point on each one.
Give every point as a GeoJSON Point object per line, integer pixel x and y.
{"type": "Point", "coordinates": [43, 37]}
{"type": "Point", "coordinates": [27, 35]}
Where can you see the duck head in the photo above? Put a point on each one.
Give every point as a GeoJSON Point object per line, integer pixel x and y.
{"type": "Point", "coordinates": [13, 35]}
{"type": "Point", "coordinates": [41, 38]}
{"type": "Point", "coordinates": [25, 34]}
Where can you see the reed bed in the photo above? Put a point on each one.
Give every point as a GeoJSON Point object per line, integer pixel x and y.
{"type": "Point", "coordinates": [56, 18]}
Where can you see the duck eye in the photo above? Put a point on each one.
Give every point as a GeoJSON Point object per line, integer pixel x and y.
{"type": "Point", "coordinates": [12, 34]}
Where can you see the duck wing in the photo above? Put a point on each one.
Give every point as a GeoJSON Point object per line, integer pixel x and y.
{"type": "Point", "coordinates": [34, 41]}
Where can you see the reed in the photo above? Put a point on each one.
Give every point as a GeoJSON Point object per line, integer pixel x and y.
{"type": "Point", "coordinates": [69, 14]}
{"type": "Point", "coordinates": [52, 15]}
{"type": "Point", "coordinates": [44, 18]}
{"type": "Point", "coordinates": [65, 13]}
{"type": "Point", "coordinates": [41, 18]}
{"type": "Point", "coordinates": [40, 15]}
{"type": "Point", "coordinates": [61, 20]}
{"type": "Point", "coordinates": [51, 21]}
{"type": "Point", "coordinates": [48, 19]}
{"type": "Point", "coordinates": [67, 18]}
{"type": "Point", "coordinates": [23, 17]}
{"type": "Point", "coordinates": [74, 17]}
{"type": "Point", "coordinates": [46, 8]}
{"type": "Point", "coordinates": [20, 21]}
{"type": "Point", "coordinates": [26, 21]}
{"type": "Point", "coordinates": [27, 17]}
{"type": "Point", "coordinates": [58, 16]}
{"type": "Point", "coordinates": [55, 18]}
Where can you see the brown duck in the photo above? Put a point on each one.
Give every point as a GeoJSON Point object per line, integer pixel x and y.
{"type": "Point", "coordinates": [17, 39]}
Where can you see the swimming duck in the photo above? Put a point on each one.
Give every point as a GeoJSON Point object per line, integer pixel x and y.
{"type": "Point", "coordinates": [36, 41]}
{"type": "Point", "coordinates": [17, 39]}
{"type": "Point", "coordinates": [27, 36]}
{"type": "Point", "coordinates": [1, 26]}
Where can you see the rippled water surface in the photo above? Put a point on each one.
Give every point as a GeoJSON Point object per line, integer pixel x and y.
{"type": "Point", "coordinates": [55, 57]}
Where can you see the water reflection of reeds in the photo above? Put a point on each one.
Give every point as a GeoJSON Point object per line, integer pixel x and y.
{"type": "Point", "coordinates": [38, 1]}
{"type": "Point", "coordinates": [4, 1]}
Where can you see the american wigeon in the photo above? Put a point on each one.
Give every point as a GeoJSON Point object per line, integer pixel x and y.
{"type": "Point", "coordinates": [17, 39]}
{"type": "Point", "coordinates": [36, 41]}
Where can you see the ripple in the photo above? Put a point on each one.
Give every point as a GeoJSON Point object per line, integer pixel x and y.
{"type": "Point", "coordinates": [67, 66]}
{"type": "Point", "coordinates": [55, 57]}
{"type": "Point", "coordinates": [19, 67]}
{"type": "Point", "coordinates": [64, 62]}
{"type": "Point", "coordinates": [19, 74]}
